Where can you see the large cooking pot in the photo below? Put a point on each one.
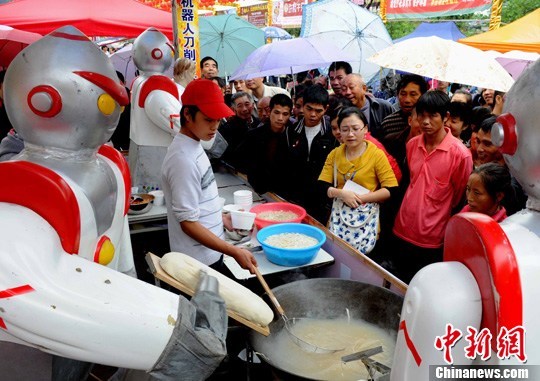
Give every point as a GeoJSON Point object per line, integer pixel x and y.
{"type": "Point", "coordinates": [324, 298]}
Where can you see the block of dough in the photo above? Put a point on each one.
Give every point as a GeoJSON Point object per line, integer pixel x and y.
{"type": "Point", "coordinates": [238, 298]}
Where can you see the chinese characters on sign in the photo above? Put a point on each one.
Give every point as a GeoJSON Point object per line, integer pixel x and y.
{"type": "Point", "coordinates": [396, 9]}
{"type": "Point", "coordinates": [255, 14]}
{"type": "Point", "coordinates": [509, 342]}
{"type": "Point", "coordinates": [188, 29]}
{"type": "Point", "coordinates": [288, 13]}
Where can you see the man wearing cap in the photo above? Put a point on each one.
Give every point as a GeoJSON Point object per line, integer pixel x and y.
{"type": "Point", "coordinates": [193, 207]}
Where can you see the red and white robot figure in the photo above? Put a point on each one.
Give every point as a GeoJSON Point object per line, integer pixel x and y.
{"type": "Point", "coordinates": [65, 248]}
{"type": "Point", "coordinates": [155, 108]}
{"type": "Point", "coordinates": [481, 305]}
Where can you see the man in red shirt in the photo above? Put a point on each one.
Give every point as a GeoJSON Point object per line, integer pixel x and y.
{"type": "Point", "coordinates": [440, 166]}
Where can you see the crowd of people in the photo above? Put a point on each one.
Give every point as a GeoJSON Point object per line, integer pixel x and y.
{"type": "Point", "coordinates": [418, 161]}
{"type": "Point", "coordinates": [421, 160]}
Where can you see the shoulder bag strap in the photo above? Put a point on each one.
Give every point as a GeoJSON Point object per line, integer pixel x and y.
{"type": "Point", "coordinates": [335, 171]}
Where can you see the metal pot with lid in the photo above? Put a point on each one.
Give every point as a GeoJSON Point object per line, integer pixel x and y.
{"type": "Point", "coordinates": [366, 315]}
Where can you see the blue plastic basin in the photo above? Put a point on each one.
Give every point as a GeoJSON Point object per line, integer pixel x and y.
{"type": "Point", "coordinates": [293, 256]}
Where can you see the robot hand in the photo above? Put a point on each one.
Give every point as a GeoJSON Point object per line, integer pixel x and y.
{"type": "Point", "coordinates": [211, 312]}
{"type": "Point", "coordinates": [207, 283]}
{"type": "Point", "coordinates": [197, 345]}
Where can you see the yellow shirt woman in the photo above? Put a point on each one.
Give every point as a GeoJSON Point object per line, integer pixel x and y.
{"type": "Point", "coordinates": [370, 170]}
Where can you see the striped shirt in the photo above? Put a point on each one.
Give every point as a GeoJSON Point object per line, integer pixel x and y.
{"type": "Point", "coordinates": [191, 194]}
{"type": "Point", "coordinates": [395, 122]}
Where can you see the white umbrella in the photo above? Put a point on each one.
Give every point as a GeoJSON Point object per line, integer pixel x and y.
{"type": "Point", "coordinates": [445, 60]}
{"type": "Point", "coordinates": [289, 57]}
{"type": "Point", "coordinates": [349, 27]}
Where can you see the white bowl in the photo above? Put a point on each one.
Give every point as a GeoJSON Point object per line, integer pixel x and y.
{"type": "Point", "coordinates": [230, 207]}
{"type": "Point", "coordinates": [242, 220]}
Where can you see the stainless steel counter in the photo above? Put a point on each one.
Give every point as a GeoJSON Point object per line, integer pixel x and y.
{"type": "Point", "coordinates": [156, 219]}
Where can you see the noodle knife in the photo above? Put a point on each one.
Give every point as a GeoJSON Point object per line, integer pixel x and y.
{"type": "Point", "coordinates": [362, 354]}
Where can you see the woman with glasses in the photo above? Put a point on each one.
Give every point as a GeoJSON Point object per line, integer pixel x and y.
{"type": "Point", "coordinates": [356, 173]}
{"type": "Point", "coordinates": [358, 160]}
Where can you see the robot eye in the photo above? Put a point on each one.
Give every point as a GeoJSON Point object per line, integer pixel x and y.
{"type": "Point", "coordinates": [504, 134]}
{"type": "Point", "coordinates": [157, 54]}
{"type": "Point", "coordinates": [44, 101]}
{"type": "Point", "coordinates": [106, 104]}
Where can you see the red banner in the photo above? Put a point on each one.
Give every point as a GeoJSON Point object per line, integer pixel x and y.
{"type": "Point", "coordinates": [396, 9]}
{"type": "Point", "coordinates": [288, 13]}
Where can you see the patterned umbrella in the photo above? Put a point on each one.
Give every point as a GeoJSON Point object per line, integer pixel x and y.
{"type": "Point", "coordinates": [445, 60]}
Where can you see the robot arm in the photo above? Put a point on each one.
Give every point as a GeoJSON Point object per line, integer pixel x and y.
{"type": "Point", "coordinates": [185, 363]}
{"type": "Point", "coordinates": [125, 251]}
{"type": "Point", "coordinates": [439, 294]}
{"type": "Point", "coordinates": [69, 306]}
{"type": "Point", "coordinates": [163, 109]}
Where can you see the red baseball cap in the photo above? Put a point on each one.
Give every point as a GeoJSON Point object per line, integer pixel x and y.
{"type": "Point", "coordinates": [207, 96]}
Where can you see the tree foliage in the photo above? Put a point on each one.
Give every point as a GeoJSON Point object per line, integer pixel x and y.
{"type": "Point", "coordinates": [515, 9]}
{"type": "Point", "coordinates": [398, 29]}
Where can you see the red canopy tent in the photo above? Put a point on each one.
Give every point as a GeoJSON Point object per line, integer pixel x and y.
{"type": "Point", "coordinates": [12, 41]}
{"type": "Point", "coordinates": [112, 18]}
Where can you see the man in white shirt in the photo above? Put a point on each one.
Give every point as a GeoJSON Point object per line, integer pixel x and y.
{"type": "Point", "coordinates": [193, 207]}
{"type": "Point", "coordinates": [259, 89]}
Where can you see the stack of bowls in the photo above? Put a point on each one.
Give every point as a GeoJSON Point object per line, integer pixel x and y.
{"type": "Point", "coordinates": [243, 198]}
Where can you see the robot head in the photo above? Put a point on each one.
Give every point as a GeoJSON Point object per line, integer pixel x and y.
{"type": "Point", "coordinates": [517, 133]}
{"type": "Point", "coordinates": [63, 92]}
{"type": "Point", "coordinates": [152, 52]}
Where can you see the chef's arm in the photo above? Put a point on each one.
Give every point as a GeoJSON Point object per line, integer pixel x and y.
{"type": "Point", "coordinates": [163, 109]}
{"type": "Point", "coordinates": [201, 234]}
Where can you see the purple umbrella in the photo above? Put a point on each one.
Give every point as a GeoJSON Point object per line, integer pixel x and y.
{"type": "Point", "coordinates": [515, 62]}
{"type": "Point", "coordinates": [289, 57]}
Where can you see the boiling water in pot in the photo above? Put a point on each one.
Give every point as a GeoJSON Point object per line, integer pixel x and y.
{"type": "Point", "coordinates": [354, 335]}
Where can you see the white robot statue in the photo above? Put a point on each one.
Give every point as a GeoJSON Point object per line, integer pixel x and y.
{"type": "Point", "coordinates": [481, 305]}
{"type": "Point", "coordinates": [64, 231]}
{"type": "Point", "coordinates": [155, 108]}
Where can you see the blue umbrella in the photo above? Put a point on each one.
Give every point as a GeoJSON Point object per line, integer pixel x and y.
{"type": "Point", "coordinates": [276, 33]}
{"type": "Point", "coordinates": [228, 39]}
{"type": "Point", "coordinates": [447, 30]}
